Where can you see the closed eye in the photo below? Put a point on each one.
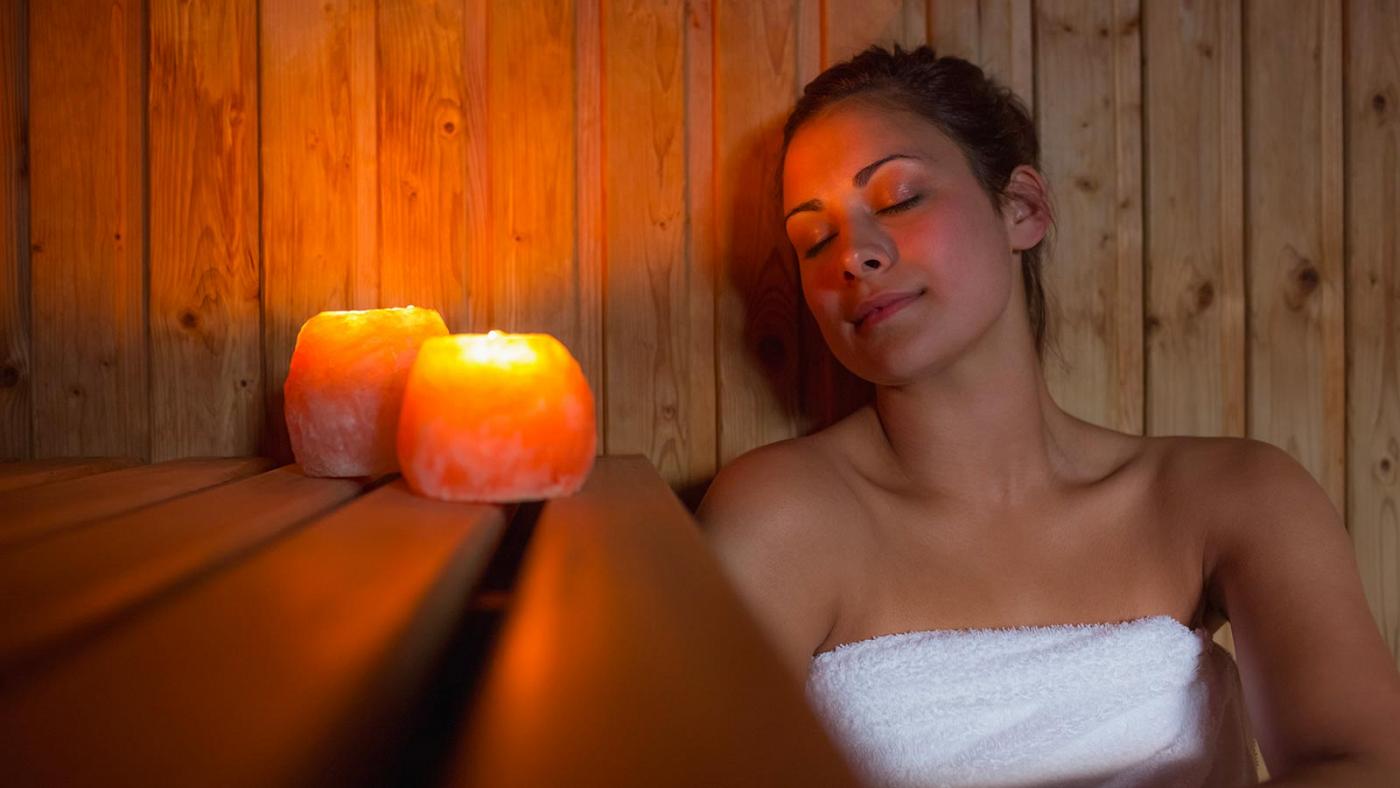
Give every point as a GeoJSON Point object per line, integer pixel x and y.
{"type": "Point", "coordinates": [816, 249]}
{"type": "Point", "coordinates": [901, 206]}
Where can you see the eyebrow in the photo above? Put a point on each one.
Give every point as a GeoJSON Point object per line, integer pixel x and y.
{"type": "Point", "coordinates": [861, 178]}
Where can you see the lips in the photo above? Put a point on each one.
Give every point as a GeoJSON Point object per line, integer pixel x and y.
{"type": "Point", "coordinates": [882, 301]}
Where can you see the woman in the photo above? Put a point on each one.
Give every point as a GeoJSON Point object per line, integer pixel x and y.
{"type": "Point", "coordinates": [977, 587]}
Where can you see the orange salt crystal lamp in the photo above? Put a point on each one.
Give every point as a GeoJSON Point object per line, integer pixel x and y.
{"type": "Point", "coordinates": [495, 418]}
{"type": "Point", "coordinates": [345, 387]}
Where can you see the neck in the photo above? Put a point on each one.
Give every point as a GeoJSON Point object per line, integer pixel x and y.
{"type": "Point", "coordinates": [985, 431]}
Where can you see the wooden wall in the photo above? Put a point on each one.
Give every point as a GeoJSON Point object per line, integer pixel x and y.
{"type": "Point", "coordinates": [185, 182]}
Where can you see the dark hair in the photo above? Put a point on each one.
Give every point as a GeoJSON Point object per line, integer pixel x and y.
{"type": "Point", "coordinates": [988, 122]}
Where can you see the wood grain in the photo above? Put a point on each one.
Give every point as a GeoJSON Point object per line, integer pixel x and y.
{"type": "Point", "coordinates": [1089, 100]}
{"type": "Point", "coordinates": [292, 667]}
{"type": "Point", "coordinates": [1373, 306]}
{"type": "Point", "coordinates": [32, 473]}
{"type": "Point", "coordinates": [15, 379]}
{"type": "Point", "coordinates": [1195, 322]}
{"type": "Point", "coordinates": [53, 590]}
{"type": "Point", "coordinates": [205, 322]}
{"type": "Point", "coordinates": [422, 157]}
{"type": "Point", "coordinates": [1293, 198]}
{"type": "Point", "coordinates": [758, 299]}
{"type": "Point", "coordinates": [593, 682]}
{"type": "Point", "coordinates": [535, 273]}
{"type": "Point", "coordinates": [853, 25]}
{"type": "Point", "coordinates": [35, 512]}
{"type": "Point", "coordinates": [87, 176]}
{"type": "Point", "coordinates": [660, 340]}
{"type": "Point", "coordinates": [319, 179]}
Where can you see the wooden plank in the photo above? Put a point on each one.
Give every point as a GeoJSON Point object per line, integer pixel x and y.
{"type": "Point", "coordinates": [422, 155]}
{"type": "Point", "coordinates": [86, 222]}
{"type": "Point", "coordinates": [955, 28]}
{"type": "Point", "coordinates": [293, 667]}
{"type": "Point", "coordinates": [1088, 76]}
{"type": "Point", "coordinates": [589, 238]}
{"type": "Point", "coordinates": [32, 473]}
{"type": "Point", "coordinates": [206, 344]}
{"type": "Point", "coordinates": [627, 659]}
{"type": "Point", "coordinates": [1006, 50]}
{"type": "Point", "coordinates": [1373, 316]}
{"type": "Point", "coordinates": [660, 342]}
{"type": "Point", "coordinates": [54, 589]}
{"type": "Point", "coordinates": [319, 175]}
{"type": "Point", "coordinates": [537, 276]}
{"type": "Point", "coordinates": [1195, 322]}
{"type": "Point", "coordinates": [1293, 194]}
{"type": "Point", "coordinates": [35, 512]}
{"type": "Point", "coordinates": [852, 25]}
{"type": "Point", "coordinates": [15, 379]}
{"type": "Point", "coordinates": [758, 299]}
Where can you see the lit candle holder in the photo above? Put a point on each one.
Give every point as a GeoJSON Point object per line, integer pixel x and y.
{"type": "Point", "coordinates": [345, 387]}
{"type": "Point", "coordinates": [496, 417]}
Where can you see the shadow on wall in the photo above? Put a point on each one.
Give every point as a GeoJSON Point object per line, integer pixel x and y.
{"type": "Point", "coordinates": [781, 339]}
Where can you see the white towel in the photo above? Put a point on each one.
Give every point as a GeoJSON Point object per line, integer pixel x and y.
{"type": "Point", "coordinates": [1146, 702]}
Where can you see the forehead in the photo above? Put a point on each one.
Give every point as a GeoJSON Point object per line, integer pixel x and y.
{"type": "Point", "coordinates": [831, 147]}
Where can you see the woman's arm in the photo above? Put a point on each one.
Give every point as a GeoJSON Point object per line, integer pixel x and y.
{"type": "Point", "coordinates": [1320, 685]}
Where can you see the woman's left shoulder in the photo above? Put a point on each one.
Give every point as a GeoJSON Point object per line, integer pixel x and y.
{"type": "Point", "coordinates": [1239, 482]}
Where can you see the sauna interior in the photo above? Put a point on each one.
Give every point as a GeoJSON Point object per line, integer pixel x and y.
{"type": "Point", "coordinates": [184, 183]}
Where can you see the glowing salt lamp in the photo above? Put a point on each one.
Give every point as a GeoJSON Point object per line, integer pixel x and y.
{"type": "Point", "coordinates": [345, 387]}
{"type": "Point", "coordinates": [496, 417]}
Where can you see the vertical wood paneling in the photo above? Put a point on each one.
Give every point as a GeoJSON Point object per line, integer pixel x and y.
{"type": "Point", "coordinates": [1373, 308]}
{"type": "Point", "coordinates": [205, 326]}
{"type": "Point", "coordinates": [422, 157]}
{"type": "Point", "coordinates": [853, 25]}
{"type": "Point", "coordinates": [1089, 95]}
{"type": "Point", "coordinates": [1195, 236]}
{"type": "Point", "coordinates": [477, 160]}
{"type": "Point", "coordinates": [535, 274]}
{"type": "Point", "coordinates": [86, 228]}
{"type": "Point", "coordinates": [701, 238]}
{"type": "Point", "coordinates": [15, 379]}
{"type": "Point", "coordinates": [589, 197]}
{"type": "Point", "coordinates": [318, 115]}
{"type": "Point", "coordinates": [758, 297]}
{"type": "Point", "coordinates": [659, 349]}
{"type": "Point", "coordinates": [1293, 199]}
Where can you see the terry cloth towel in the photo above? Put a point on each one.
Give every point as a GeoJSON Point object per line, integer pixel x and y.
{"type": "Point", "coordinates": [1146, 702]}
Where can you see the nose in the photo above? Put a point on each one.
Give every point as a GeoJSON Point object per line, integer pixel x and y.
{"type": "Point", "coordinates": [868, 253]}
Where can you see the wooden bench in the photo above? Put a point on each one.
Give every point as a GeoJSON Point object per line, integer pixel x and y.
{"type": "Point", "coordinates": [224, 622]}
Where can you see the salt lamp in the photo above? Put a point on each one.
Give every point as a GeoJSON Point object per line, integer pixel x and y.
{"type": "Point", "coordinates": [496, 417]}
{"type": "Point", "coordinates": [345, 387]}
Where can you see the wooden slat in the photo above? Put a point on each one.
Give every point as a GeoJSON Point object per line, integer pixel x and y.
{"type": "Point", "coordinates": [1373, 313]}
{"type": "Point", "coordinates": [955, 28]}
{"type": "Point", "coordinates": [660, 331]}
{"type": "Point", "coordinates": [589, 237]}
{"type": "Point", "coordinates": [422, 148]}
{"type": "Point", "coordinates": [87, 268]}
{"type": "Point", "coordinates": [205, 326]}
{"type": "Point", "coordinates": [538, 279]}
{"type": "Point", "coordinates": [32, 473]}
{"type": "Point", "coordinates": [15, 379]}
{"type": "Point", "coordinates": [52, 589]}
{"type": "Point", "coordinates": [32, 513]}
{"type": "Point", "coordinates": [1293, 189]}
{"type": "Point", "coordinates": [291, 668]}
{"type": "Point", "coordinates": [853, 25]}
{"type": "Point", "coordinates": [1195, 318]}
{"type": "Point", "coordinates": [759, 300]}
{"type": "Point", "coordinates": [319, 182]}
{"type": "Point", "coordinates": [1088, 77]}
{"type": "Point", "coordinates": [627, 659]}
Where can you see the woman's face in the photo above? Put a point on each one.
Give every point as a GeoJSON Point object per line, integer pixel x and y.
{"type": "Point", "coordinates": [880, 202]}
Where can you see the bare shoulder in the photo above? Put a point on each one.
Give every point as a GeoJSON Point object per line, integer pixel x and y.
{"type": "Point", "coordinates": [772, 517]}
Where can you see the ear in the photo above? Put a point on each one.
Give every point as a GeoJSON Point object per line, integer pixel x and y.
{"type": "Point", "coordinates": [1025, 208]}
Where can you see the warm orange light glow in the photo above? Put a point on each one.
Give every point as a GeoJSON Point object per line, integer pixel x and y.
{"type": "Point", "coordinates": [496, 417]}
{"type": "Point", "coordinates": [345, 387]}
